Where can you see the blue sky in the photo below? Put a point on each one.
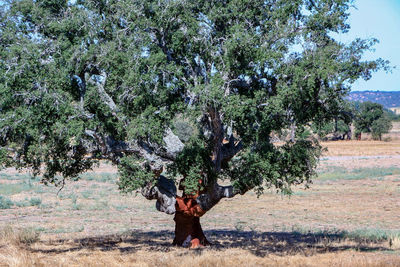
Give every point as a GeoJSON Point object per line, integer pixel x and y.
{"type": "Point", "coordinates": [379, 19]}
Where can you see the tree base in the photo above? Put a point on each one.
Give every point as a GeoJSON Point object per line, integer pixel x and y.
{"type": "Point", "coordinates": [188, 231]}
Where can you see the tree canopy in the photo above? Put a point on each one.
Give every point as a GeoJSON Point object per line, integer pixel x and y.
{"type": "Point", "coordinates": [340, 126]}
{"type": "Point", "coordinates": [372, 118]}
{"type": "Point", "coordinates": [192, 89]}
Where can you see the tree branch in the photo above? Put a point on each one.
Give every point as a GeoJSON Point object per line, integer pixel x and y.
{"type": "Point", "coordinates": [113, 149]}
{"type": "Point", "coordinates": [164, 192]}
{"type": "Point", "coordinates": [230, 149]}
{"type": "Point", "coordinates": [105, 97]}
{"type": "Point", "coordinates": [217, 137]}
{"type": "Point", "coordinates": [215, 193]}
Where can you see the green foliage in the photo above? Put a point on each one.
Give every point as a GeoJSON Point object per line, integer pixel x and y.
{"type": "Point", "coordinates": [183, 129]}
{"type": "Point", "coordinates": [391, 115]}
{"type": "Point", "coordinates": [193, 163]}
{"type": "Point", "coordinates": [35, 201]}
{"type": "Point", "coordinates": [357, 174]}
{"type": "Point", "coordinates": [78, 77]}
{"type": "Point", "coordinates": [130, 167]}
{"type": "Point", "coordinates": [293, 163]}
{"type": "Point", "coordinates": [340, 125]}
{"type": "Point", "coordinates": [371, 118]}
{"type": "Point", "coordinates": [380, 126]}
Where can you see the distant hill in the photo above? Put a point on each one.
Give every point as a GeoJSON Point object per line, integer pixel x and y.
{"type": "Point", "coordinates": [387, 99]}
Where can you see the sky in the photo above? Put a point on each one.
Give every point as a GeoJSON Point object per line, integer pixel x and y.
{"type": "Point", "coordinates": [378, 19]}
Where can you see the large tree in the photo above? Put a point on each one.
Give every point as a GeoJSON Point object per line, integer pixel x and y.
{"type": "Point", "coordinates": [175, 92]}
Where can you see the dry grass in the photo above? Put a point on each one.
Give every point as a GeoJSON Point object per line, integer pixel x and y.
{"type": "Point", "coordinates": [396, 127]}
{"type": "Point", "coordinates": [362, 148]}
{"type": "Point", "coordinates": [394, 242]}
{"type": "Point", "coordinates": [340, 221]}
{"type": "Point", "coordinates": [232, 257]}
{"type": "Point", "coordinates": [18, 237]}
{"type": "Point", "coordinates": [261, 250]}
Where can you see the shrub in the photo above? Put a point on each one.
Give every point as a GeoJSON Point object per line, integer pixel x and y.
{"type": "Point", "coordinates": [5, 203]}
{"type": "Point", "coordinates": [35, 201]}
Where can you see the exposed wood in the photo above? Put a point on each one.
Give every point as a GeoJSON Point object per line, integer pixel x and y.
{"type": "Point", "coordinates": [164, 192]}
{"type": "Point", "coordinates": [113, 149]}
{"type": "Point", "coordinates": [188, 231]}
{"type": "Point", "coordinates": [214, 194]}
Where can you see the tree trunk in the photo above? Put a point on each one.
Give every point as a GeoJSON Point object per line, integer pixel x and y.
{"type": "Point", "coordinates": [188, 231]}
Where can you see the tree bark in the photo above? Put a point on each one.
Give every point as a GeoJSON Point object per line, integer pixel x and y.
{"type": "Point", "coordinates": [188, 231]}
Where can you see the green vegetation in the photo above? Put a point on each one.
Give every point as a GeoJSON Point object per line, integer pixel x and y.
{"type": "Point", "coordinates": [357, 174]}
{"type": "Point", "coordinates": [339, 127]}
{"type": "Point", "coordinates": [371, 118]}
{"type": "Point", "coordinates": [5, 203]}
{"type": "Point", "coordinates": [372, 234]}
{"type": "Point", "coordinates": [391, 115]}
{"type": "Point", "coordinates": [100, 177]}
{"type": "Point", "coordinates": [361, 235]}
{"type": "Point", "coordinates": [96, 72]}
{"type": "Point", "coordinates": [35, 201]}
{"type": "Point", "coordinates": [192, 90]}
{"type": "Point", "coordinates": [16, 188]}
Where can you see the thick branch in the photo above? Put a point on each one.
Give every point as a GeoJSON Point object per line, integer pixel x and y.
{"type": "Point", "coordinates": [217, 137]}
{"type": "Point", "coordinates": [230, 149]}
{"type": "Point", "coordinates": [215, 193]}
{"type": "Point", "coordinates": [164, 192]}
{"type": "Point", "coordinates": [113, 149]}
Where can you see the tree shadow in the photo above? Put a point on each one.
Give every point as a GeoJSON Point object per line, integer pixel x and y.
{"type": "Point", "coordinates": [258, 243]}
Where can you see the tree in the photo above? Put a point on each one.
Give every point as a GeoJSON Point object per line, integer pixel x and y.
{"type": "Point", "coordinates": [340, 126]}
{"type": "Point", "coordinates": [391, 115]}
{"type": "Point", "coordinates": [174, 92]}
{"type": "Point", "coordinates": [371, 118]}
{"type": "Point", "coordinates": [380, 126]}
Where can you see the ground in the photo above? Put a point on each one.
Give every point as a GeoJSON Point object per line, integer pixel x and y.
{"type": "Point", "coordinates": [350, 216]}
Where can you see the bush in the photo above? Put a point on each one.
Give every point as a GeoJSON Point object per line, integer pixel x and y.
{"type": "Point", "coordinates": [5, 203]}
{"type": "Point", "coordinates": [35, 201]}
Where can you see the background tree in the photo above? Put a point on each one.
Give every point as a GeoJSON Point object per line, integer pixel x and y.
{"type": "Point", "coordinates": [391, 115]}
{"type": "Point", "coordinates": [187, 89]}
{"type": "Point", "coordinates": [371, 118]}
{"type": "Point", "coordinates": [339, 128]}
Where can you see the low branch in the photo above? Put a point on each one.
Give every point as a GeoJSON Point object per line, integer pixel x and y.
{"type": "Point", "coordinates": [113, 149]}
{"type": "Point", "coordinates": [164, 192]}
{"type": "Point", "coordinates": [215, 193]}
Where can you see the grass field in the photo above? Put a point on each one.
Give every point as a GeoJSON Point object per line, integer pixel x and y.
{"type": "Point", "coordinates": [349, 217]}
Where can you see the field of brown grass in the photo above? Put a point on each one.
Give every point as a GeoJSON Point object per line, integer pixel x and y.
{"type": "Point", "coordinates": [350, 216]}
{"type": "Point", "coordinates": [362, 148]}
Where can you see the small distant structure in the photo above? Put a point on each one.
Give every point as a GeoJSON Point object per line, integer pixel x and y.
{"type": "Point", "coordinates": [396, 110]}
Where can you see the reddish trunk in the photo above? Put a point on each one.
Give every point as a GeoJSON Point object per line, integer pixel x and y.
{"type": "Point", "coordinates": [188, 231]}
